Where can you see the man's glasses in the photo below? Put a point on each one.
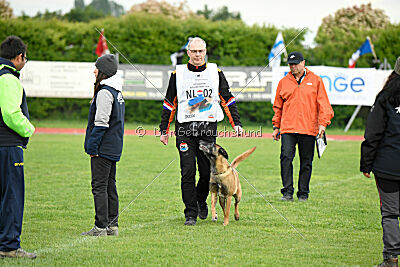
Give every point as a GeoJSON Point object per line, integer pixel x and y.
{"type": "Point", "coordinates": [201, 51]}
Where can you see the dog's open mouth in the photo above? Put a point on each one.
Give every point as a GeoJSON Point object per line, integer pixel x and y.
{"type": "Point", "coordinates": [204, 148]}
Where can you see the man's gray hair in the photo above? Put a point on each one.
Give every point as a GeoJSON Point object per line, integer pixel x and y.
{"type": "Point", "coordinates": [197, 39]}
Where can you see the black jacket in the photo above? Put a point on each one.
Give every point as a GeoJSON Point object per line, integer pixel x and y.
{"type": "Point", "coordinates": [102, 141]}
{"type": "Point", "coordinates": [380, 152]}
{"type": "Point", "coordinates": [190, 128]}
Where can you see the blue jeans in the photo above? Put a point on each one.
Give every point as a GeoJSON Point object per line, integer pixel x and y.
{"type": "Point", "coordinates": [306, 144]}
{"type": "Point", "coordinates": [12, 192]}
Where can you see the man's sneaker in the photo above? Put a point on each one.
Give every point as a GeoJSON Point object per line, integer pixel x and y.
{"type": "Point", "coordinates": [18, 253]}
{"type": "Point", "coordinates": [287, 197]}
{"type": "Point", "coordinates": [190, 221]}
{"type": "Point", "coordinates": [203, 210]}
{"type": "Point", "coordinates": [96, 231]}
{"type": "Point", "coordinates": [303, 198]}
{"type": "Point", "coordinates": [391, 262]}
{"type": "Point", "coordinates": [112, 230]}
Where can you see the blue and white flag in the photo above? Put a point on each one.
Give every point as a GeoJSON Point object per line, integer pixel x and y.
{"type": "Point", "coordinates": [365, 48]}
{"type": "Point", "coordinates": [274, 56]}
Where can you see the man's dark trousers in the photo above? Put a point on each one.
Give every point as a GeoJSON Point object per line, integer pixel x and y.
{"type": "Point", "coordinates": [191, 194]}
{"type": "Point", "coordinates": [389, 193]}
{"type": "Point", "coordinates": [12, 191]}
{"type": "Point", "coordinates": [104, 192]}
{"type": "Point", "coordinates": [306, 144]}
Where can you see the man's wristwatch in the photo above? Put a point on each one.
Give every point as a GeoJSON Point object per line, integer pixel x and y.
{"type": "Point", "coordinates": [275, 128]}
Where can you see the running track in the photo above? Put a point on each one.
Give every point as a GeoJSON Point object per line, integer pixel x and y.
{"type": "Point", "coordinates": [142, 132]}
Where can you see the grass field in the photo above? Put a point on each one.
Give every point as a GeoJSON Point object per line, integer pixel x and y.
{"type": "Point", "coordinates": [340, 222]}
{"type": "Point", "coordinates": [70, 123]}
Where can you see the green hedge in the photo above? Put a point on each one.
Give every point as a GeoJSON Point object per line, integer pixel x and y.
{"type": "Point", "coordinates": [146, 38]}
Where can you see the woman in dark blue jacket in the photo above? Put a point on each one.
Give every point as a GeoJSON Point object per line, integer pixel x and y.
{"type": "Point", "coordinates": [380, 153]}
{"type": "Point", "coordinates": [103, 142]}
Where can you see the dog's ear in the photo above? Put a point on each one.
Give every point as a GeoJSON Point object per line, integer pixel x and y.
{"type": "Point", "coordinates": [223, 152]}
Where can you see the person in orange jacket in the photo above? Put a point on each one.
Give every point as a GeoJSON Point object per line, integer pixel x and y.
{"type": "Point", "coordinates": [302, 110]}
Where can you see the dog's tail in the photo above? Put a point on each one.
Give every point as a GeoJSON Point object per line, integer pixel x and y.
{"type": "Point", "coordinates": [242, 157]}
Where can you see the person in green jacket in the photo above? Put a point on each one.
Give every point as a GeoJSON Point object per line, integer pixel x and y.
{"type": "Point", "coordinates": [15, 130]}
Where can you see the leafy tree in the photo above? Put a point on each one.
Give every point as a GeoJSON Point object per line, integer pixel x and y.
{"type": "Point", "coordinates": [363, 17]}
{"type": "Point", "coordinates": [47, 15]}
{"type": "Point", "coordinates": [108, 7]}
{"type": "Point", "coordinates": [85, 14]}
{"type": "Point", "coordinates": [219, 14]}
{"type": "Point", "coordinates": [388, 43]}
{"type": "Point", "coordinates": [181, 11]}
{"type": "Point", "coordinates": [345, 32]}
{"type": "Point", "coordinates": [206, 13]}
{"type": "Point", "coordinates": [6, 11]}
{"type": "Point", "coordinates": [116, 9]}
{"type": "Point", "coordinates": [95, 10]}
{"type": "Point", "coordinates": [79, 4]}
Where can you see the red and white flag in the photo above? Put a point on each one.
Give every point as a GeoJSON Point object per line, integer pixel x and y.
{"type": "Point", "coordinates": [102, 47]}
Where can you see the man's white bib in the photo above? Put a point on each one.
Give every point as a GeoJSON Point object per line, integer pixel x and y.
{"type": "Point", "coordinates": [198, 94]}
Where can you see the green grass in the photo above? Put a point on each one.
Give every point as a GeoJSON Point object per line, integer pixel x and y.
{"type": "Point", "coordinates": [341, 220]}
{"type": "Point", "coordinates": [47, 123]}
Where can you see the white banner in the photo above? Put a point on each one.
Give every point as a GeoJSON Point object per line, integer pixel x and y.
{"type": "Point", "coordinates": [75, 80]}
{"type": "Point", "coordinates": [58, 79]}
{"type": "Point", "coordinates": [344, 86]}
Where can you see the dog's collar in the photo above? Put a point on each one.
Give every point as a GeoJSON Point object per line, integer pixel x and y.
{"type": "Point", "coordinates": [222, 174]}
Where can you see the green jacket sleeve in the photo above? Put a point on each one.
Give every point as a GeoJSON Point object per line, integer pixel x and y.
{"type": "Point", "coordinates": [11, 92]}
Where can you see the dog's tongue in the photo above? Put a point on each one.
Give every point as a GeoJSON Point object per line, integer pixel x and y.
{"type": "Point", "coordinates": [203, 148]}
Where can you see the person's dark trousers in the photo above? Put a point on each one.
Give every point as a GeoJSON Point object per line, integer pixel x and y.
{"type": "Point", "coordinates": [188, 152]}
{"type": "Point", "coordinates": [306, 144]}
{"type": "Point", "coordinates": [12, 193]}
{"type": "Point", "coordinates": [104, 192]}
{"type": "Point", "coordinates": [389, 194]}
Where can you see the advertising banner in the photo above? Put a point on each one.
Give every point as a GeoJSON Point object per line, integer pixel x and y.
{"type": "Point", "coordinates": [75, 80]}
{"type": "Point", "coordinates": [344, 86]}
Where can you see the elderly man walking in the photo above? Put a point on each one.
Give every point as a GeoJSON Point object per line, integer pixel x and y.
{"type": "Point", "coordinates": [195, 92]}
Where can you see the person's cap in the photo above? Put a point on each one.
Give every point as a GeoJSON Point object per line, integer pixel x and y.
{"type": "Point", "coordinates": [107, 64]}
{"type": "Point", "coordinates": [295, 58]}
{"type": "Point", "coordinates": [397, 66]}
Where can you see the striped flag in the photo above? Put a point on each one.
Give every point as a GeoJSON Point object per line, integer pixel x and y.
{"type": "Point", "coordinates": [102, 47]}
{"type": "Point", "coordinates": [365, 48]}
{"type": "Point", "coordinates": [168, 105]}
{"type": "Point", "coordinates": [274, 56]}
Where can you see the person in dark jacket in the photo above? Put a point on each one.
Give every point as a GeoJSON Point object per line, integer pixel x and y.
{"type": "Point", "coordinates": [103, 142]}
{"type": "Point", "coordinates": [196, 92]}
{"type": "Point", "coordinates": [380, 153]}
{"type": "Point", "coordinates": [15, 130]}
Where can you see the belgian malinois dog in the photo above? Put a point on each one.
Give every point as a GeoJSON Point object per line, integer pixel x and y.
{"type": "Point", "coordinates": [224, 179]}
